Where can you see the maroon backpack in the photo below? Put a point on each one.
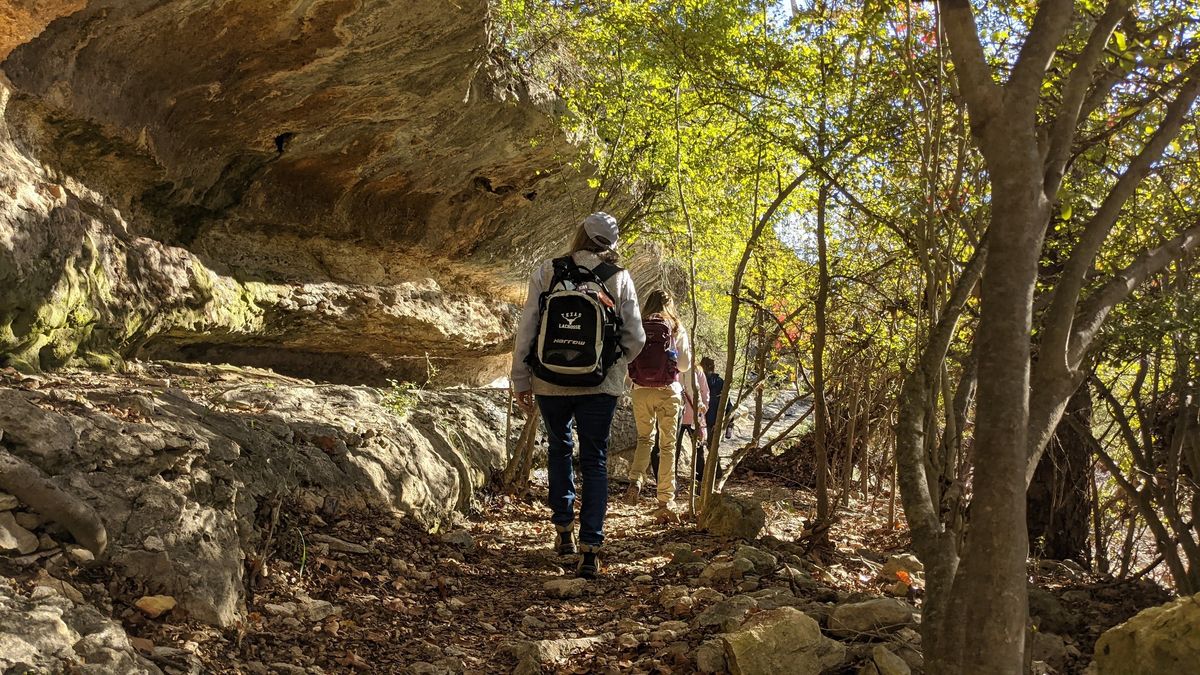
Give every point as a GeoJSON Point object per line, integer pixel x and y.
{"type": "Point", "coordinates": [658, 363]}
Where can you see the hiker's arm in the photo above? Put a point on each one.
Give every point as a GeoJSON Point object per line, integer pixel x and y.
{"type": "Point", "coordinates": [521, 378]}
{"type": "Point", "coordinates": [684, 347]}
{"type": "Point", "coordinates": [633, 338]}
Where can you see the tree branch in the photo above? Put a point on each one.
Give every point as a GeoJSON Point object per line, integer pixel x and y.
{"type": "Point", "coordinates": [1061, 314]}
{"type": "Point", "coordinates": [974, 76]}
{"type": "Point", "coordinates": [1052, 20]}
{"type": "Point", "coordinates": [1108, 296]}
{"type": "Point", "coordinates": [1051, 385]}
{"type": "Point", "coordinates": [1063, 129]}
{"type": "Point", "coordinates": [919, 506]}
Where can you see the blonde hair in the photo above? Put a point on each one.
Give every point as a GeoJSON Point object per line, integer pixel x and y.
{"type": "Point", "coordinates": [582, 242]}
{"type": "Point", "coordinates": [659, 302]}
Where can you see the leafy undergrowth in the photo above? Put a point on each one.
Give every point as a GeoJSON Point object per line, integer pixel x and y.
{"type": "Point", "coordinates": [419, 602]}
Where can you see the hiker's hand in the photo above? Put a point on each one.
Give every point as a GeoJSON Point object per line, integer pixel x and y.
{"type": "Point", "coordinates": [525, 401]}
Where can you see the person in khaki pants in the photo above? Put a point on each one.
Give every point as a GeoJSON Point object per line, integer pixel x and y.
{"type": "Point", "coordinates": [658, 395]}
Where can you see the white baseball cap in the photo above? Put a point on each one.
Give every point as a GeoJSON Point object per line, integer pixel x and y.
{"type": "Point", "coordinates": [602, 229]}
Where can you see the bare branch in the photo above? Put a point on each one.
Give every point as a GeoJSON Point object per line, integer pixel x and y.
{"type": "Point", "coordinates": [1063, 129]}
{"type": "Point", "coordinates": [1051, 22]}
{"type": "Point", "coordinates": [1108, 296]}
{"type": "Point", "coordinates": [974, 76]}
{"type": "Point", "coordinates": [1061, 314]}
{"type": "Point", "coordinates": [919, 506]}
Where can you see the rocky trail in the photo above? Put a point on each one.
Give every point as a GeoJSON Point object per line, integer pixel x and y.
{"type": "Point", "coordinates": [375, 595]}
{"type": "Point", "coordinates": [262, 524]}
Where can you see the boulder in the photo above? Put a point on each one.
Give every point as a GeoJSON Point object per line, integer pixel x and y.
{"type": "Point", "coordinates": [460, 539]}
{"type": "Point", "coordinates": [1163, 639]}
{"type": "Point", "coordinates": [565, 588]}
{"type": "Point", "coordinates": [533, 656]}
{"type": "Point", "coordinates": [681, 554]}
{"type": "Point", "coordinates": [764, 563]}
{"type": "Point", "coordinates": [879, 615]}
{"type": "Point", "coordinates": [727, 614]}
{"type": "Point", "coordinates": [1049, 614]}
{"type": "Point", "coordinates": [315, 610]}
{"type": "Point", "coordinates": [783, 640]}
{"type": "Point", "coordinates": [1050, 649]}
{"type": "Point", "coordinates": [726, 570]}
{"type": "Point", "coordinates": [771, 598]}
{"type": "Point", "coordinates": [8, 502]}
{"type": "Point", "coordinates": [710, 657]}
{"type": "Point", "coordinates": [339, 545]}
{"type": "Point", "coordinates": [734, 517]}
{"type": "Point", "coordinates": [887, 663]}
{"type": "Point", "coordinates": [155, 606]}
{"type": "Point", "coordinates": [13, 537]}
{"type": "Point", "coordinates": [46, 632]}
{"type": "Point", "coordinates": [904, 562]}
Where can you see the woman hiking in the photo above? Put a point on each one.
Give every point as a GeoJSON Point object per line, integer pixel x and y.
{"type": "Point", "coordinates": [658, 396]}
{"type": "Point", "coordinates": [688, 427]}
{"type": "Point", "coordinates": [578, 331]}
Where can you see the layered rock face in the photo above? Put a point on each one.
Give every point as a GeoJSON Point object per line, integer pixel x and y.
{"type": "Point", "coordinates": [183, 466]}
{"type": "Point", "coordinates": [346, 190]}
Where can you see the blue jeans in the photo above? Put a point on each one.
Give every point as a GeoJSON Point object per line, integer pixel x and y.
{"type": "Point", "coordinates": [591, 415]}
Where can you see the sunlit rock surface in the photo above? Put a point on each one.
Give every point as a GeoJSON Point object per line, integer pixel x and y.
{"type": "Point", "coordinates": [348, 190]}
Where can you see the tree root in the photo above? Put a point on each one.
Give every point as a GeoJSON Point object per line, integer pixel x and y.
{"type": "Point", "coordinates": [34, 489]}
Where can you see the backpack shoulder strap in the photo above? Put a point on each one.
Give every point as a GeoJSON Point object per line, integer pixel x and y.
{"type": "Point", "coordinates": [606, 270]}
{"type": "Point", "coordinates": [562, 270]}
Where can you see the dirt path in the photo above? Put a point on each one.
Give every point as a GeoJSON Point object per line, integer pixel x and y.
{"type": "Point", "coordinates": [364, 594]}
{"type": "Point", "coordinates": [415, 602]}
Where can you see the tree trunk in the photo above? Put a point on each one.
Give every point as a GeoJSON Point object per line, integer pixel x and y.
{"type": "Point", "coordinates": [820, 409]}
{"type": "Point", "coordinates": [933, 544]}
{"type": "Point", "coordinates": [1058, 502]}
{"type": "Point", "coordinates": [988, 606]}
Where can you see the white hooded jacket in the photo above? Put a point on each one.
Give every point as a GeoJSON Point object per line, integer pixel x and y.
{"type": "Point", "coordinates": [632, 335]}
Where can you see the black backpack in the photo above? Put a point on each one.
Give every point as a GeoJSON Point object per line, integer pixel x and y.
{"type": "Point", "coordinates": [579, 327]}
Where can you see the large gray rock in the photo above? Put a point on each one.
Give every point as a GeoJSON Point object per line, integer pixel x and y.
{"type": "Point", "coordinates": [735, 517]}
{"type": "Point", "coordinates": [1164, 639]}
{"type": "Point", "coordinates": [1050, 649]}
{"type": "Point", "coordinates": [885, 662]}
{"type": "Point", "coordinates": [783, 640]}
{"type": "Point", "coordinates": [535, 656]}
{"type": "Point", "coordinates": [46, 632]}
{"type": "Point", "coordinates": [764, 562]}
{"type": "Point", "coordinates": [348, 205]}
{"type": "Point", "coordinates": [179, 477]}
{"type": "Point", "coordinates": [904, 562]}
{"type": "Point", "coordinates": [879, 615]}
{"type": "Point", "coordinates": [727, 614]}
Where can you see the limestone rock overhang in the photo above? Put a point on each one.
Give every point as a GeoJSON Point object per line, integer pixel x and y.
{"type": "Point", "coordinates": [345, 150]}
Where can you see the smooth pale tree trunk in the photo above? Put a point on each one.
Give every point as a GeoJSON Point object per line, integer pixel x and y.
{"type": "Point", "coordinates": [933, 543]}
{"type": "Point", "coordinates": [989, 594]}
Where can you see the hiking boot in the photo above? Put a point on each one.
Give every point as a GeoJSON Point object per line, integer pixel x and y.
{"type": "Point", "coordinates": [589, 562]}
{"type": "Point", "coordinates": [564, 540]}
{"type": "Point", "coordinates": [633, 494]}
{"type": "Point", "coordinates": [664, 514]}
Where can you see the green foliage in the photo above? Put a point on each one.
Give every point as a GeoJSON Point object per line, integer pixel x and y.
{"type": "Point", "coordinates": [400, 397]}
{"type": "Point", "coordinates": [695, 113]}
